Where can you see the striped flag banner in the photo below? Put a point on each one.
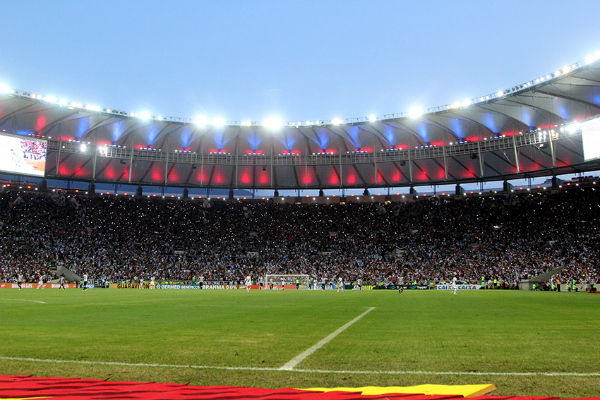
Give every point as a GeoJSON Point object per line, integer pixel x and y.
{"type": "Point", "coordinates": [20, 387]}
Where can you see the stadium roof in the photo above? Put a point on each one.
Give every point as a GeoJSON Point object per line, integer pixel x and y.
{"type": "Point", "coordinates": [527, 130]}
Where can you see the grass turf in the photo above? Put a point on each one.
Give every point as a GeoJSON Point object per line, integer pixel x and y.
{"type": "Point", "coordinates": [432, 331]}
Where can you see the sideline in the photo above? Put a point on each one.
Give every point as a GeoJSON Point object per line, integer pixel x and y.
{"type": "Point", "coordinates": [304, 371]}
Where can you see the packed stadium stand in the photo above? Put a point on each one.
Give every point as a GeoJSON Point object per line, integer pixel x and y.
{"type": "Point", "coordinates": [496, 238]}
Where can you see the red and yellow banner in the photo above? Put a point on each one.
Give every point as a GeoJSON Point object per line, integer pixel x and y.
{"type": "Point", "coordinates": [28, 387]}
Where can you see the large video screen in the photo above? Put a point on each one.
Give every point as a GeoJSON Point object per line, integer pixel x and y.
{"type": "Point", "coordinates": [23, 156]}
{"type": "Point", "coordinates": [590, 133]}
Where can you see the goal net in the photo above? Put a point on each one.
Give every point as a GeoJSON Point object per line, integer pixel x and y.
{"type": "Point", "coordinates": [288, 279]}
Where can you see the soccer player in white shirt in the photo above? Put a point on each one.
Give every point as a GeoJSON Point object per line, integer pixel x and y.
{"type": "Point", "coordinates": [141, 282]}
{"type": "Point", "coordinates": [40, 282]}
{"type": "Point", "coordinates": [62, 282]}
{"type": "Point", "coordinates": [341, 284]}
{"type": "Point", "coordinates": [454, 285]}
{"type": "Point", "coordinates": [152, 283]}
{"type": "Point", "coordinates": [85, 280]}
{"type": "Point", "coordinates": [19, 280]}
{"type": "Point", "coordinates": [282, 284]}
{"type": "Point", "coordinates": [248, 283]}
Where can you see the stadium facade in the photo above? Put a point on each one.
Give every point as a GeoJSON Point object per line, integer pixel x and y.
{"type": "Point", "coordinates": [533, 129]}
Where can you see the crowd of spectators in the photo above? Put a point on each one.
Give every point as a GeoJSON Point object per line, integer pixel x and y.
{"type": "Point", "coordinates": [502, 239]}
{"type": "Point", "coordinates": [33, 149]}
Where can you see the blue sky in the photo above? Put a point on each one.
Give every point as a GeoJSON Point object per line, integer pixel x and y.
{"type": "Point", "coordinates": [296, 60]}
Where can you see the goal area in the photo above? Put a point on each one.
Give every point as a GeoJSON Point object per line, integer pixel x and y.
{"type": "Point", "coordinates": [288, 279]}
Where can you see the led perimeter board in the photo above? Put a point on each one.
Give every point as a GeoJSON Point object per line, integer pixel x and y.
{"type": "Point", "coordinates": [23, 156]}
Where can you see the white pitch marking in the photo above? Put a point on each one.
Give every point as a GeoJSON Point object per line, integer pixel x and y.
{"type": "Point", "coordinates": [35, 301]}
{"type": "Point", "coordinates": [300, 357]}
{"type": "Point", "coordinates": [306, 371]}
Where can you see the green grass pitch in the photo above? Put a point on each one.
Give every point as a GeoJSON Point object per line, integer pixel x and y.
{"type": "Point", "coordinates": [244, 338]}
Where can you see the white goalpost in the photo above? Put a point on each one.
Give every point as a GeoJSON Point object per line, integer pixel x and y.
{"type": "Point", "coordinates": [288, 279]}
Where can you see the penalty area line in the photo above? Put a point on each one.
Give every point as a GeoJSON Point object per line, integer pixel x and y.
{"type": "Point", "coordinates": [33, 301]}
{"type": "Point", "coordinates": [300, 357]}
{"type": "Point", "coordinates": [301, 371]}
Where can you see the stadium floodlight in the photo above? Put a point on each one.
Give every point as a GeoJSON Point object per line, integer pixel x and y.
{"type": "Point", "coordinates": [573, 128]}
{"type": "Point", "coordinates": [218, 122]}
{"type": "Point", "coordinates": [592, 58]}
{"type": "Point", "coordinates": [83, 147]}
{"type": "Point", "coordinates": [5, 88]}
{"type": "Point", "coordinates": [415, 112]}
{"type": "Point", "coordinates": [200, 120]}
{"type": "Point", "coordinates": [500, 93]}
{"type": "Point", "coordinates": [336, 121]}
{"type": "Point", "coordinates": [566, 69]}
{"type": "Point", "coordinates": [466, 103]}
{"type": "Point", "coordinates": [246, 123]}
{"type": "Point", "coordinates": [272, 123]}
{"type": "Point", "coordinates": [372, 118]}
{"type": "Point", "coordinates": [50, 99]}
{"type": "Point", "coordinates": [557, 73]}
{"type": "Point", "coordinates": [160, 118]}
{"type": "Point", "coordinates": [144, 115]}
{"type": "Point", "coordinates": [63, 102]}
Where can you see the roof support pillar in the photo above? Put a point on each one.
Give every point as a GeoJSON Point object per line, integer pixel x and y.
{"type": "Point", "coordinates": [95, 157]}
{"type": "Point", "coordinates": [58, 154]}
{"type": "Point", "coordinates": [202, 164]}
{"type": "Point", "coordinates": [444, 154]}
{"type": "Point", "coordinates": [131, 160]}
{"type": "Point", "coordinates": [375, 163]}
{"type": "Point", "coordinates": [479, 154]}
{"type": "Point", "coordinates": [166, 161]}
{"type": "Point", "coordinates": [516, 151]}
{"type": "Point", "coordinates": [341, 169]}
{"type": "Point", "coordinates": [552, 150]}
{"type": "Point", "coordinates": [237, 147]}
{"type": "Point", "coordinates": [410, 172]}
{"type": "Point", "coordinates": [306, 164]}
{"type": "Point", "coordinates": [272, 151]}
